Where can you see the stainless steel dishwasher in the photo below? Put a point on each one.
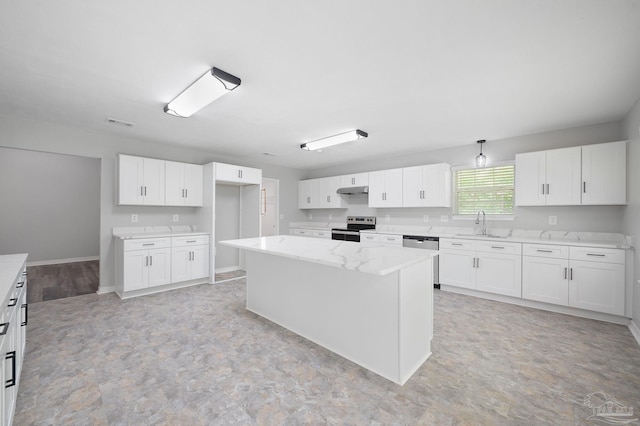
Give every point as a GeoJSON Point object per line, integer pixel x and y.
{"type": "Point", "coordinates": [427, 243]}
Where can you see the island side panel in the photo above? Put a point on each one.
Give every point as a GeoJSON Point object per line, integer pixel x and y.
{"type": "Point", "coordinates": [350, 313]}
{"type": "Point", "coordinates": [416, 317]}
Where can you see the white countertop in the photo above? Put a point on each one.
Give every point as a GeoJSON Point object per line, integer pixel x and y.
{"type": "Point", "coordinates": [10, 267]}
{"type": "Point", "coordinates": [586, 239]}
{"type": "Point", "coordinates": [128, 233]}
{"type": "Point", "coordinates": [370, 258]}
{"type": "Point", "coordinates": [321, 226]}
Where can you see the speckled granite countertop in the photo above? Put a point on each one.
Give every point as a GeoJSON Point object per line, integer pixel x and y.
{"type": "Point", "coordinates": [370, 258]}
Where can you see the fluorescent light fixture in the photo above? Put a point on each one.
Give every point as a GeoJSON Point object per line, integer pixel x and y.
{"type": "Point", "coordinates": [481, 159]}
{"type": "Point", "coordinates": [202, 92]}
{"type": "Point", "coordinates": [353, 135]}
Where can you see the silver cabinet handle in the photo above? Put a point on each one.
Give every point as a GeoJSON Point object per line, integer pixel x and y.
{"type": "Point", "coordinates": [497, 247]}
{"type": "Point", "coordinates": [584, 187]}
{"type": "Point", "coordinates": [547, 189]}
{"type": "Point", "coordinates": [182, 191]}
{"type": "Point", "coordinates": [456, 244]}
{"type": "Point", "coordinates": [544, 251]}
{"type": "Point", "coordinates": [150, 260]}
{"type": "Point", "coordinates": [141, 190]}
{"type": "Point", "coordinates": [596, 254]}
{"type": "Point", "coordinates": [565, 273]}
{"type": "Point", "coordinates": [148, 244]}
{"type": "Point", "coordinates": [146, 261]}
{"type": "Point", "coordinates": [328, 198]}
{"type": "Point", "coordinates": [543, 189]}
{"type": "Point", "coordinates": [186, 193]}
{"type": "Point", "coordinates": [474, 262]}
{"type": "Point", "coordinates": [571, 273]}
{"type": "Point", "coordinates": [191, 241]}
{"type": "Point", "coordinates": [477, 262]}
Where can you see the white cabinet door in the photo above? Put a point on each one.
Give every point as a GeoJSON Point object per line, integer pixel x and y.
{"type": "Point", "coordinates": [499, 273]}
{"type": "Point", "coordinates": [159, 266]}
{"type": "Point", "coordinates": [174, 183]}
{"type": "Point", "coordinates": [597, 286]}
{"type": "Point", "coordinates": [530, 177]}
{"type": "Point", "coordinates": [308, 194]}
{"type": "Point", "coordinates": [180, 257]}
{"type": "Point", "coordinates": [457, 268]}
{"type": "Point", "coordinates": [545, 280]}
{"type": "Point", "coordinates": [564, 176]}
{"type": "Point", "coordinates": [392, 239]}
{"type": "Point", "coordinates": [130, 180]}
{"type": "Point", "coordinates": [385, 188]}
{"type": "Point", "coordinates": [328, 197]}
{"type": "Point", "coordinates": [358, 179]}
{"type": "Point", "coordinates": [377, 189]}
{"type": "Point", "coordinates": [412, 186]}
{"type": "Point", "coordinates": [199, 262]}
{"type": "Point", "coordinates": [436, 185]}
{"type": "Point", "coordinates": [193, 184]}
{"type": "Point", "coordinates": [604, 173]}
{"type": "Point", "coordinates": [135, 264]}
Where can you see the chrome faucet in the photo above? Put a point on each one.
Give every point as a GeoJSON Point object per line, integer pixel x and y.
{"type": "Point", "coordinates": [484, 221]}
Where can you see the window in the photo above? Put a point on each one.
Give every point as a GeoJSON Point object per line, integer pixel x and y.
{"type": "Point", "coordinates": [487, 188]}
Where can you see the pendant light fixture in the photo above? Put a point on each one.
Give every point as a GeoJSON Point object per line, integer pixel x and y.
{"type": "Point", "coordinates": [213, 84]}
{"type": "Point", "coordinates": [481, 159]}
{"type": "Point", "coordinates": [353, 135]}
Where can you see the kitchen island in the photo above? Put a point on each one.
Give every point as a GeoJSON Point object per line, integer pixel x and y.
{"type": "Point", "coordinates": [370, 303]}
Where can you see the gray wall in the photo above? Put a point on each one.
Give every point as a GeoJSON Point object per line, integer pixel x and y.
{"type": "Point", "coordinates": [227, 224]}
{"type": "Point", "coordinates": [631, 223]}
{"type": "Point", "coordinates": [42, 136]}
{"type": "Point", "coordinates": [50, 205]}
{"type": "Point", "coordinates": [576, 218]}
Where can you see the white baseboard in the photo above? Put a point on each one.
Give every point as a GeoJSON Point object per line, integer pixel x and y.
{"type": "Point", "coordinates": [59, 261]}
{"type": "Point", "coordinates": [227, 269]}
{"type": "Point", "coordinates": [106, 289]}
{"type": "Point", "coordinates": [633, 327]}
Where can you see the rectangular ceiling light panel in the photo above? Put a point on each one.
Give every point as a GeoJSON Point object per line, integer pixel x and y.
{"type": "Point", "coordinates": [202, 92]}
{"type": "Point", "coordinates": [353, 135]}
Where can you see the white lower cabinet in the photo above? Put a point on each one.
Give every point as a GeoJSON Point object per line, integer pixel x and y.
{"type": "Point", "coordinates": [580, 277]}
{"type": "Point", "coordinates": [494, 267]}
{"type": "Point", "coordinates": [314, 233]}
{"type": "Point", "coordinates": [147, 267]}
{"type": "Point", "coordinates": [13, 322]}
{"type": "Point", "coordinates": [189, 258]}
{"type": "Point", "coordinates": [392, 239]}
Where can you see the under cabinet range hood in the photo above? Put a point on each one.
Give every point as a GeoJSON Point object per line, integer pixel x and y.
{"type": "Point", "coordinates": [352, 190]}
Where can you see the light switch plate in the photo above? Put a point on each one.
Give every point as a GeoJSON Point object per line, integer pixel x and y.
{"type": "Point", "coordinates": [387, 218]}
{"type": "Point", "coordinates": [444, 218]}
{"type": "Point", "coordinates": [553, 220]}
{"type": "Point", "coordinates": [134, 218]}
{"type": "Point", "coordinates": [175, 218]}
{"type": "Point", "coordinates": [425, 218]}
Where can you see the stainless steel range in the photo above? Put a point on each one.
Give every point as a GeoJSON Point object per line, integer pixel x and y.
{"type": "Point", "coordinates": [354, 225]}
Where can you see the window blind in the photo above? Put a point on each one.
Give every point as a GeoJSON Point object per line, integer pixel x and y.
{"type": "Point", "coordinates": [488, 188]}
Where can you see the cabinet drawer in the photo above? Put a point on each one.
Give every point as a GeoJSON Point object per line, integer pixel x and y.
{"type": "Point", "coordinates": [370, 238]}
{"type": "Point", "coordinates": [597, 254]}
{"type": "Point", "coordinates": [195, 240]}
{"type": "Point", "coordinates": [302, 232]}
{"type": "Point", "coordinates": [448, 243]}
{"type": "Point", "coordinates": [390, 239]}
{"type": "Point", "coordinates": [546, 250]}
{"type": "Point", "coordinates": [322, 234]}
{"type": "Point", "coordinates": [147, 243]}
{"type": "Point", "coordinates": [499, 247]}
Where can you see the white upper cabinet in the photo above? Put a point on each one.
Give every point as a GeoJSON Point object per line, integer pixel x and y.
{"type": "Point", "coordinates": [329, 198]}
{"type": "Point", "coordinates": [426, 186]}
{"type": "Point", "coordinates": [140, 181]}
{"type": "Point", "coordinates": [549, 178]}
{"type": "Point", "coordinates": [604, 173]}
{"type": "Point", "coordinates": [587, 175]}
{"type": "Point", "coordinates": [320, 194]}
{"type": "Point", "coordinates": [358, 179]}
{"type": "Point", "coordinates": [183, 184]}
{"type": "Point", "coordinates": [238, 174]}
{"type": "Point", "coordinates": [385, 188]}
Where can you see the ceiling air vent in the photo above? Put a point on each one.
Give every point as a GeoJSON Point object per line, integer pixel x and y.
{"type": "Point", "coordinates": [120, 122]}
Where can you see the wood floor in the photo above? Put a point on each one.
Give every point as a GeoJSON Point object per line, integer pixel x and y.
{"type": "Point", "coordinates": [196, 356]}
{"type": "Point", "coordinates": [50, 282]}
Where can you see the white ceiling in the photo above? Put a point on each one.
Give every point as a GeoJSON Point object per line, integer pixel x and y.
{"type": "Point", "coordinates": [417, 75]}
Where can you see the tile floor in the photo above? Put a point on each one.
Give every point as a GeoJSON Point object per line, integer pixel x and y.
{"type": "Point", "coordinates": [195, 356]}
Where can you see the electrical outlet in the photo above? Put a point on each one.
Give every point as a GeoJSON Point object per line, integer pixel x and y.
{"type": "Point", "coordinates": [425, 218]}
{"type": "Point", "coordinates": [310, 216]}
{"type": "Point", "coordinates": [387, 218]}
{"type": "Point", "coordinates": [444, 218]}
{"type": "Point", "coordinates": [330, 217]}
{"type": "Point", "coordinates": [176, 218]}
{"type": "Point", "coordinates": [134, 218]}
{"type": "Point", "coordinates": [553, 220]}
